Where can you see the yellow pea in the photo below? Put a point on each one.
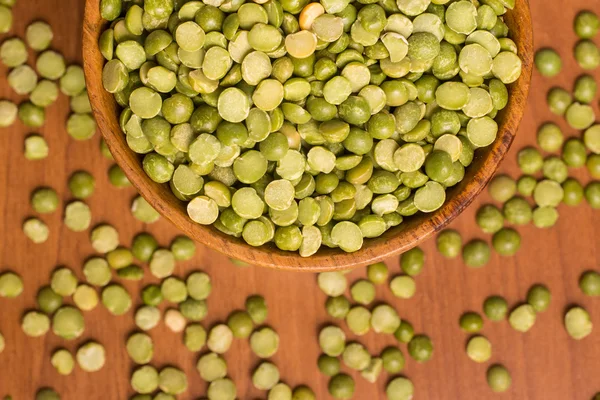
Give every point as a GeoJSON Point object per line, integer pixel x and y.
{"type": "Point", "coordinates": [293, 137]}
{"type": "Point", "coordinates": [301, 44]}
{"type": "Point", "coordinates": [309, 14]}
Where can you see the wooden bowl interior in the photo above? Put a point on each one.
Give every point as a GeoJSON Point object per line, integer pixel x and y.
{"type": "Point", "coordinates": [396, 240]}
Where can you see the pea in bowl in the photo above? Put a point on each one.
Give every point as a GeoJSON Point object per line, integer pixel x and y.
{"type": "Point", "coordinates": [308, 136]}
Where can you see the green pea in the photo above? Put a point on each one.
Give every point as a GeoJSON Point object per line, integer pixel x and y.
{"type": "Point", "coordinates": [68, 323]}
{"type": "Point", "coordinates": [449, 243]}
{"type": "Point", "coordinates": [341, 386]}
{"type": "Point", "coordinates": [518, 211]}
{"type": "Point", "coordinates": [559, 100]}
{"type": "Point", "coordinates": [489, 218]}
{"type": "Point", "coordinates": [585, 89]}
{"type": "Point", "coordinates": [522, 318]}
{"type": "Point", "coordinates": [63, 361]}
{"type": "Point", "coordinates": [587, 54]}
{"type": "Point", "coordinates": [363, 292]}
{"type": "Point", "coordinates": [257, 309]}
{"type": "Point", "coordinates": [412, 261]}
{"type": "Point", "coordinates": [502, 188]}
{"type": "Point", "coordinates": [329, 366]}
{"type": "Point", "coordinates": [110, 9]}
{"type": "Point", "coordinates": [495, 308]}
{"type": "Point", "coordinates": [506, 242]}
{"type": "Point", "coordinates": [538, 297]}
{"type": "Point", "coordinates": [498, 378]}
{"type": "Point", "coordinates": [479, 349]}
{"type": "Point", "coordinates": [471, 322]}
{"type": "Point", "coordinates": [526, 185]}
{"type": "Point", "coordinates": [337, 307]}
{"type": "Point", "coordinates": [46, 394]}
{"type": "Point", "coordinates": [573, 192]}
{"type": "Point", "coordinates": [420, 348]}
{"type": "Point", "coordinates": [550, 137]}
{"type": "Point", "coordinates": [377, 273]}
{"type": "Point", "coordinates": [240, 324]}
{"type": "Point", "coordinates": [476, 253]}
{"type": "Point", "coordinates": [548, 62]}
{"type": "Point", "coordinates": [589, 283]}
{"type": "Point", "coordinates": [578, 323]}
{"type": "Point", "coordinates": [530, 161]}
{"type": "Point", "coordinates": [586, 24]}
{"type": "Point", "coordinates": [405, 332]}
{"type": "Point", "coordinates": [592, 194]}
{"type": "Point", "coordinates": [44, 200]}
{"type": "Point", "coordinates": [81, 184]}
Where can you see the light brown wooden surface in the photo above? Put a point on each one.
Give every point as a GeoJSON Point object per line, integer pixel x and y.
{"type": "Point", "coordinates": [545, 364]}
{"type": "Point", "coordinates": [393, 242]}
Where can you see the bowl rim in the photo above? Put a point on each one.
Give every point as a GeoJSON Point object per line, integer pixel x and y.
{"type": "Point", "coordinates": [395, 241]}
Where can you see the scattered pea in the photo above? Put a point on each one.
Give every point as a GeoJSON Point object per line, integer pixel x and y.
{"type": "Point", "coordinates": [35, 324]}
{"type": "Point", "coordinates": [341, 386]}
{"type": "Point", "coordinates": [147, 317]}
{"type": "Point", "coordinates": [63, 361]}
{"type": "Point", "coordinates": [578, 323]}
{"type": "Point", "coordinates": [140, 348]}
{"type": "Point", "coordinates": [36, 230]}
{"type": "Point", "coordinates": [117, 177]}
{"type": "Point", "coordinates": [403, 287]}
{"type": "Point", "coordinates": [489, 218]}
{"type": "Point", "coordinates": [36, 148]}
{"type": "Point", "coordinates": [522, 318]}
{"type": "Point", "coordinates": [420, 348]}
{"type": "Point", "coordinates": [405, 332]}
{"type": "Point", "coordinates": [240, 323]}
{"type": "Point", "coordinates": [257, 309]}
{"type": "Point", "coordinates": [81, 184]}
{"type": "Point", "coordinates": [68, 323]}
{"type": "Point", "coordinates": [476, 253]}
{"type": "Point", "coordinates": [506, 242]}
{"type": "Point", "coordinates": [498, 378]}
{"type": "Point", "coordinates": [116, 299]}
{"type": "Point", "coordinates": [550, 137]}
{"type": "Point", "coordinates": [220, 338]}
{"type": "Point", "coordinates": [539, 297]}
{"type": "Point", "coordinates": [393, 360]}
{"type": "Point", "coordinates": [377, 273]}
{"type": "Point", "coordinates": [586, 25]}
{"type": "Point", "coordinates": [328, 365]}
{"type": "Point", "coordinates": [548, 62]}
{"type": "Point", "coordinates": [471, 322]}
{"type": "Point", "coordinates": [502, 188]}
{"type": "Point", "coordinates": [495, 308]}
{"type": "Point", "coordinates": [11, 285]}
{"type": "Point", "coordinates": [48, 300]}
{"type": "Point", "coordinates": [46, 394]}
{"type": "Point", "coordinates": [479, 349]}
{"type": "Point", "coordinates": [399, 389]}
{"type": "Point", "coordinates": [337, 307]}
{"type": "Point", "coordinates": [449, 243]}
{"type": "Point", "coordinates": [412, 261]}
{"type": "Point", "coordinates": [363, 292]}
{"type": "Point", "coordinates": [174, 320]}
{"type": "Point", "coordinates": [589, 283]}
{"type": "Point", "coordinates": [91, 357]}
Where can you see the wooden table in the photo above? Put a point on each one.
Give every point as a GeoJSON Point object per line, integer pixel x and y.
{"type": "Point", "coordinates": [545, 364]}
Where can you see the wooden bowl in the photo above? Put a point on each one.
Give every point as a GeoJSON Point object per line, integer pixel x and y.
{"type": "Point", "coordinates": [395, 241]}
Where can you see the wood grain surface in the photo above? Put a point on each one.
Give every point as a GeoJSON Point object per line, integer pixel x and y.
{"type": "Point", "coordinates": [545, 364]}
{"type": "Point", "coordinates": [394, 241]}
